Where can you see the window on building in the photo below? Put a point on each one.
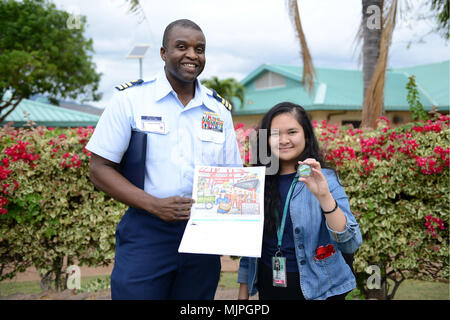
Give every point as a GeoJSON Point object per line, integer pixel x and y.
{"type": "Point", "coordinates": [354, 123]}
{"type": "Point", "coordinates": [270, 80]}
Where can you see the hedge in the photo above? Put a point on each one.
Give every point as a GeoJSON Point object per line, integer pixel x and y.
{"type": "Point", "coordinates": [396, 179]}
{"type": "Point", "coordinates": [51, 214]}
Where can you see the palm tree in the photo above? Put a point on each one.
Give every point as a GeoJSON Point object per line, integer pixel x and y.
{"type": "Point", "coordinates": [375, 57]}
{"type": "Point", "coordinates": [370, 34]}
{"type": "Point", "coordinates": [227, 88]}
{"type": "Point", "coordinates": [375, 53]}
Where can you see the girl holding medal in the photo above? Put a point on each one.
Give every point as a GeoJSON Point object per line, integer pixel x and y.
{"type": "Point", "coordinates": [310, 234]}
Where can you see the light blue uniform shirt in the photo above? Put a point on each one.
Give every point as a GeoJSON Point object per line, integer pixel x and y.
{"type": "Point", "coordinates": [176, 138]}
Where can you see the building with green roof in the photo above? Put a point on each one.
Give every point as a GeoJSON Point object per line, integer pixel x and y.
{"type": "Point", "coordinates": [48, 115]}
{"type": "Point", "coordinates": [338, 94]}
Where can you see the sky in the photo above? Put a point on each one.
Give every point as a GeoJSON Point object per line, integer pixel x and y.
{"type": "Point", "coordinates": [241, 35]}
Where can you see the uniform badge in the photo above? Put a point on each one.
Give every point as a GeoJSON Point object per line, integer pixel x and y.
{"type": "Point", "coordinates": [212, 121]}
{"type": "Point", "coordinates": [219, 98]}
{"type": "Point", "coordinates": [130, 84]}
{"type": "Point", "coordinates": [212, 128]}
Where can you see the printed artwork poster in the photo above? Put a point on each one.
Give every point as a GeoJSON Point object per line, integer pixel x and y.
{"type": "Point", "coordinates": [227, 217]}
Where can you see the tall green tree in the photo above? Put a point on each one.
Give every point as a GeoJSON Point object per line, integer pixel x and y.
{"type": "Point", "coordinates": [43, 50]}
{"type": "Point", "coordinates": [227, 88]}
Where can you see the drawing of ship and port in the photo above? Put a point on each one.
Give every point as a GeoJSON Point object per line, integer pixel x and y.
{"type": "Point", "coordinates": [227, 191]}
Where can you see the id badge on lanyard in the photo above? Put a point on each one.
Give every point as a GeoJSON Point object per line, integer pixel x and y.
{"type": "Point", "coordinates": [279, 278]}
{"type": "Point", "coordinates": [279, 275]}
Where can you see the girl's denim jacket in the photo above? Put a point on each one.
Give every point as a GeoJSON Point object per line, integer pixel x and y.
{"type": "Point", "coordinates": [319, 279]}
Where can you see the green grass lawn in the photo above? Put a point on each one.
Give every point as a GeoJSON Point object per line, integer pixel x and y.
{"type": "Point", "coordinates": [33, 287]}
{"type": "Point", "coordinates": [408, 290]}
{"type": "Point", "coordinates": [423, 290]}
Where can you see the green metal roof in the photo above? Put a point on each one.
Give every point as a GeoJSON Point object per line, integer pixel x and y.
{"type": "Point", "coordinates": [338, 89]}
{"type": "Point", "coordinates": [48, 115]}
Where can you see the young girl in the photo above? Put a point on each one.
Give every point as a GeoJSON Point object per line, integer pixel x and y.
{"type": "Point", "coordinates": [308, 225]}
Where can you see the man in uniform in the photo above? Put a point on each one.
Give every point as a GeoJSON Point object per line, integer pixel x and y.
{"type": "Point", "coordinates": [171, 110]}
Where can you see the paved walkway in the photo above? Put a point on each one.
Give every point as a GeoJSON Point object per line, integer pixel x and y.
{"type": "Point", "coordinates": [221, 294]}
{"type": "Point", "coordinates": [31, 274]}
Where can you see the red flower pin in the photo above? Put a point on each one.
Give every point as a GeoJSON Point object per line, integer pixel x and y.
{"type": "Point", "coordinates": [323, 252]}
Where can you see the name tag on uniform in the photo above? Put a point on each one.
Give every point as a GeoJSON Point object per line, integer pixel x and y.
{"type": "Point", "coordinates": [154, 124]}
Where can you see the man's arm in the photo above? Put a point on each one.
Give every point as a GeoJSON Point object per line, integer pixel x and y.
{"type": "Point", "coordinates": [105, 175]}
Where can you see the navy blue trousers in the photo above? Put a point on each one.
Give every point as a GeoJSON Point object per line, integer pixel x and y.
{"type": "Point", "coordinates": [148, 265]}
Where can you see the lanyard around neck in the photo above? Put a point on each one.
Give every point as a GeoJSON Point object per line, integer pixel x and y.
{"type": "Point", "coordinates": [280, 230]}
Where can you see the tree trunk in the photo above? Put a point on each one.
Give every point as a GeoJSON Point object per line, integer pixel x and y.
{"type": "Point", "coordinates": [372, 11]}
{"type": "Point", "coordinates": [373, 103]}
{"type": "Point", "coordinates": [371, 39]}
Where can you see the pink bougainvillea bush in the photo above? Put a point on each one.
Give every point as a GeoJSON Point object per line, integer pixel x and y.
{"type": "Point", "coordinates": [397, 180]}
{"type": "Point", "coordinates": [50, 213]}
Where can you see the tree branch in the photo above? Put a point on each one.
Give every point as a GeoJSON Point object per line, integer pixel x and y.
{"type": "Point", "coordinates": [14, 105]}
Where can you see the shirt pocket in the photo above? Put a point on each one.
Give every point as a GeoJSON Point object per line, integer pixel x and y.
{"type": "Point", "coordinates": [333, 271]}
{"type": "Point", "coordinates": [211, 147]}
{"type": "Point", "coordinates": [158, 149]}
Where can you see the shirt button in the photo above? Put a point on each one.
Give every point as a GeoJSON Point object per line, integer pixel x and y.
{"type": "Point", "coordinates": [303, 262]}
{"type": "Point", "coordinates": [300, 246]}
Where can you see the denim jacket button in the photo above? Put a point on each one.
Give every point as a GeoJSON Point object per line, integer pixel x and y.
{"type": "Point", "coordinates": [300, 246]}
{"type": "Point", "coordinates": [303, 262]}
{"type": "Point", "coordinates": [297, 230]}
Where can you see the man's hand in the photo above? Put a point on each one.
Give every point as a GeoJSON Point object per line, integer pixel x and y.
{"type": "Point", "coordinates": [173, 208]}
{"type": "Point", "coordinates": [106, 177]}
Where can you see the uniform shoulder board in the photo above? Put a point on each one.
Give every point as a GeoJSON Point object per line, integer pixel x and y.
{"type": "Point", "coordinates": [129, 84]}
{"type": "Point", "coordinates": [219, 98]}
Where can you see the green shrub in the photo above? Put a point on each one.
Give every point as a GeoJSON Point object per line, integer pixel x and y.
{"type": "Point", "coordinates": [51, 214]}
{"type": "Point", "coordinates": [397, 181]}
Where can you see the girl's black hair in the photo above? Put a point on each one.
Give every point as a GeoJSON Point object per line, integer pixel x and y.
{"type": "Point", "coordinates": [271, 193]}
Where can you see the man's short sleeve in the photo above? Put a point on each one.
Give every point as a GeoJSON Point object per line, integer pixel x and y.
{"type": "Point", "coordinates": [112, 134]}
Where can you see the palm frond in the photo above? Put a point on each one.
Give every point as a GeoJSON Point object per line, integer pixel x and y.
{"type": "Point", "coordinates": [308, 68]}
{"type": "Point", "coordinates": [134, 7]}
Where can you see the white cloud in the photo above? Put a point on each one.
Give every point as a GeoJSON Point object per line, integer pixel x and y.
{"type": "Point", "coordinates": [243, 34]}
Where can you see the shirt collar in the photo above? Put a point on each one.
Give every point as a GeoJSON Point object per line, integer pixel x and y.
{"type": "Point", "coordinates": [203, 95]}
{"type": "Point", "coordinates": [163, 87]}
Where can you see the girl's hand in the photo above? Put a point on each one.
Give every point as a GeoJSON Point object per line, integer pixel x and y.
{"type": "Point", "coordinates": [316, 182]}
